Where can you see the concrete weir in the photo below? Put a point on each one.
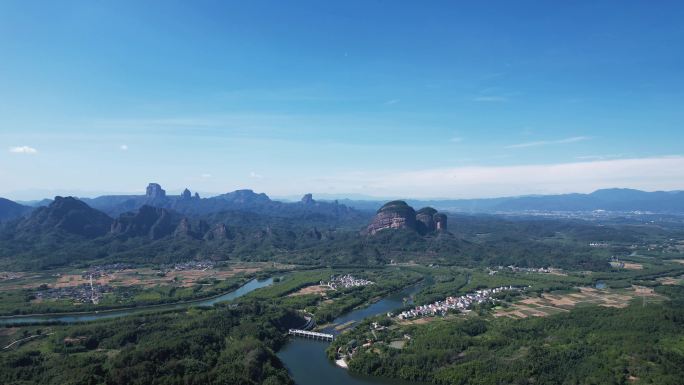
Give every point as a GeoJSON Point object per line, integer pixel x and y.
{"type": "Point", "coordinates": [308, 334]}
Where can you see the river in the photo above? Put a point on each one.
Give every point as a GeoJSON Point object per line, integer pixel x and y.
{"type": "Point", "coordinates": [92, 316]}
{"type": "Point", "coordinates": [308, 363]}
{"type": "Point", "coordinates": [306, 359]}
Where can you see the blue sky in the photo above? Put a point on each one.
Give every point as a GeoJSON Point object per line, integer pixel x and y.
{"type": "Point", "coordinates": [381, 98]}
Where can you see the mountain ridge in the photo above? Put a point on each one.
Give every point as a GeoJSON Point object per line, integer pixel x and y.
{"type": "Point", "coordinates": [614, 199]}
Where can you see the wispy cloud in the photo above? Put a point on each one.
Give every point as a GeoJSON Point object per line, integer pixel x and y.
{"type": "Point", "coordinates": [206, 176]}
{"type": "Point", "coordinates": [456, 139]}
{"type": "Point", "coordinates": [658, 173]}
{"type": "Point", "coordinates": [599, 157]}
{"type": "Point", "coordinates": [123, 147]}
{"type": "Point", "coordinates": [390, 102]}
{"type": "Point", "coordinates": [23, 150]}
{"type": "Point", "coordinates": [538, 143]}
{"type": "Point", "coordinates": [490, 99]}
{"type": "Point", "coordinates": [254, 175]}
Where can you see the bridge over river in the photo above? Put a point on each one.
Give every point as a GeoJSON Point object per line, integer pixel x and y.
{"type": "Point", "coordinates": [308, 334]}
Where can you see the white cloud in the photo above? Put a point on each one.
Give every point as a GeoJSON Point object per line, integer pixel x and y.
{"type": "Point", "coordinates": [661, 173]}
{"type": "Point", "coordinates": [456, 139]}
{"type": "Point", "coordinates": [123, 147]}
{"type": "Point", "coordinates": [573, 139]}
{"type": "Point", "coordinates": [254, 175]}
{"type": "Point", "coordinates": [23, 150]}
{"type": "Point", "coordinates": [206, 176]}
{"type": "Point", "coordinates": [390, 102]}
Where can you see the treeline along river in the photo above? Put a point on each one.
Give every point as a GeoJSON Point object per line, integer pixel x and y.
{"type": "Point", "coordinates": [305, 359]}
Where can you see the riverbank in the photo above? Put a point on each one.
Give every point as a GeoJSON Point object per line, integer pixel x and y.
{"type": "Point", "coordinates": [308, 362]}
{"type": "Point", "coordinates": [133, 306]}
{"type": "Point", "coordinates": [71, 317]}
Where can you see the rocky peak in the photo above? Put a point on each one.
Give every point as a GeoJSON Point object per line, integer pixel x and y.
{"type": "Point", "coordinates": [440, 222]}
{"type": "Point", "coordinates": [219, 232]}
{"type": "Point", "coordinates": [196, 196]}
{"type": "Point", "coordinates": [393, 215]}
{"type": "Point", "coordinates": [399, 215]}
{"type": "Point", "coordinates": [307, 199]}
{"type": "Point", "coordinates": [183, 229]}
{"type": "Point", "coordinates": [425, 218]}
{"type": "Point", "coordinates": [154, 191]}
{"type": "Point", "coordinates": [245, 197]}
{"type": "Point", "coordinates": [186, 194]}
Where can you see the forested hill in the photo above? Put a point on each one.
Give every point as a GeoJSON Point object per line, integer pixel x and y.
{"type": "Point", "coordinates": [10, 210]}
{"type": "Point", "coordinates": [69, 232]}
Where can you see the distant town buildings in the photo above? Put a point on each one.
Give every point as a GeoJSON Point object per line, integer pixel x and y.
{"type": "Point", "coordinates": [516, 269]}
{"type": "Point", "coordinates": [345, 281]}
{"type": "Point", "coordinates": [461, 303]}
{"type": "Point", "coordinates": [84, 293]}
{"type": "Point", "coordinates": [193, 265]}
{"type": "Point", "coordinates": [98, 271]}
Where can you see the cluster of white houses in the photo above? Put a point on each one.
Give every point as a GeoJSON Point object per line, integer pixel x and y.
{"type": "Point", "coordinates": [454, 303]}
{"type": "Point", "coordinates": [345, 281]}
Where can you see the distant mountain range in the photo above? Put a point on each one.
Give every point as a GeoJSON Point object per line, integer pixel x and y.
{"type": "Point", "coordinates": [241, 200]}
{"type": "Point", "coordinates": [188, 204]}
{"type": "Point", "coordinates": [616, 200]}
{"type": "Point", "coordinates": [161, 228]}
{"type": "Point", "coordinates": [244, 225]}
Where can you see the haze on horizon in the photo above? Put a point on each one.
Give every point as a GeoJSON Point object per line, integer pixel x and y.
{"type": "Point", "coordinates": [375, 98]}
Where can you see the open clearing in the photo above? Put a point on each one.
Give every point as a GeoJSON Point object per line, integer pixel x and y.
{"type": "Point", "coordinates": [558, 303]}
{"type": "Point", "coordinates": [145, 277]}
{"type": "Point", "coordinates": [315, 289]}
{"type": "Point", "coordinates": [670, 280]}
{"type": "Point", "coordinates": [633, 266]}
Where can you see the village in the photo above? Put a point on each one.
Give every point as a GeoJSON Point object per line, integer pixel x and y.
{"type": "Point", "coordinates": [98, 271]}
{"type": "Point", "coordinates": [461, 303]}
{"type": "Point", "coordinates": [345, 281]}
{"type": "Point", "coordinates": [84, 293]}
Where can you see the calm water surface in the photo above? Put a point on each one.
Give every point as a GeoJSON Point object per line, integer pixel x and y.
{"type": "Point", "coordinates": [308, 363]}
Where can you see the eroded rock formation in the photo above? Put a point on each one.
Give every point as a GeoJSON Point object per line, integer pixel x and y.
{"type": "Point", "coordinates": [399, 215]}
{"type": "Point", "coordinates": [154, 191]}
{"type": "Point", "coordinates": [307, 199]}
{"type": "Point", "coordinates": [148, 221]}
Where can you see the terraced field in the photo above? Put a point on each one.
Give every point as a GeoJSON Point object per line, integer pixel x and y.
{"type": "Point", "coordinates": [549, 304]}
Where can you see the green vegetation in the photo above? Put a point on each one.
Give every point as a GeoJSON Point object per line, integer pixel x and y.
{"type": "Point", "coordinates": [227, 345]}
{"type": "Point", "coordinates": [589, 345]}
{"type": "Point", "coordinates": [332, 303]}
{"type": "Point", "coordinates": [235, 343]}
{"type": "Point", "coordinates": [472, 241]}
{"type": "Point", "coordinates": [291, 283]}
{"type": "Point", "coordinates": [22, 301]}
